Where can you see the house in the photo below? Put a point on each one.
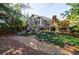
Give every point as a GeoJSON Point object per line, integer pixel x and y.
{"type": "Point", "coordinates": [37, 22]}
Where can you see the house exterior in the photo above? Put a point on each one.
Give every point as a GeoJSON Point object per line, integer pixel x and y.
{"type": "Point", "coordinates": [37, 22]}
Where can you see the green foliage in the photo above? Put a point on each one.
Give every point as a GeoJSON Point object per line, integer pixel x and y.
{"type": "Point", "coordinates": [75, 28]}
{"type": "Point", "coordinates": [17, 8]}
{"type": "Point", "coordinates": [73, 15]}
{"type": "Point", "coordinates": [72, 40]}
{"type": "Point", "coordinates": [57, 39]}
{"type": "Point", "coordinates": [51, 37]}
{"type": "Point", "coordinates": [12, 16]}
{"type": "Point", "coordinates": [73, 12]}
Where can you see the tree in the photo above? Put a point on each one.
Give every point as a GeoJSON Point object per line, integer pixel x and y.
{"type": "Point", "coordinates": [73, 16]}
{"type": "Point", "coordinates": [73, 12]}
{"type": "Point", "coordinates": [12, 16]}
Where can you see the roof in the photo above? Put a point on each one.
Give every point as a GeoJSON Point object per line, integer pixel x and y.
{"type": "Point", "coordinates": [38, 16]}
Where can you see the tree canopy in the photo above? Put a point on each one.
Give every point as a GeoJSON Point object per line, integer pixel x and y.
{"type": "Point", "coordinates": [73, 16]}
{"type": "Point", "coordinates": [12, 15]}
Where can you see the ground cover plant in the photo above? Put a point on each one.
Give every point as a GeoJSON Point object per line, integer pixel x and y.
{"type": "Point", "coordinates": [57, 39]}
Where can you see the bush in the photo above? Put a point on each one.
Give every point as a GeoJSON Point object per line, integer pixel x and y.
{"type": "Point", "coordinates": [74, 29]}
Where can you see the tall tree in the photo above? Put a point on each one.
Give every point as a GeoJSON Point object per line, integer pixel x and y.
{"type": "Point", "coordinates": [73, 16]}
{"type": "Point", "coordinates": [73, 13]}
{"type": "Point", "coordinates": [12, 15]}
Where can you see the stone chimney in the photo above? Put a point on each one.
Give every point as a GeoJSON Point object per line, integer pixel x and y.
{"type": "Point", "coordinates": [54, 23]}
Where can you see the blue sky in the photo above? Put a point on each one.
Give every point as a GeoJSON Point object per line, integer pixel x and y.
{"type": "Point", "coordinates": [48, 9]}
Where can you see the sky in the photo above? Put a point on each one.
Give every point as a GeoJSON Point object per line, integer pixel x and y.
{"type": "Point", "coordinates": [48, 9]}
